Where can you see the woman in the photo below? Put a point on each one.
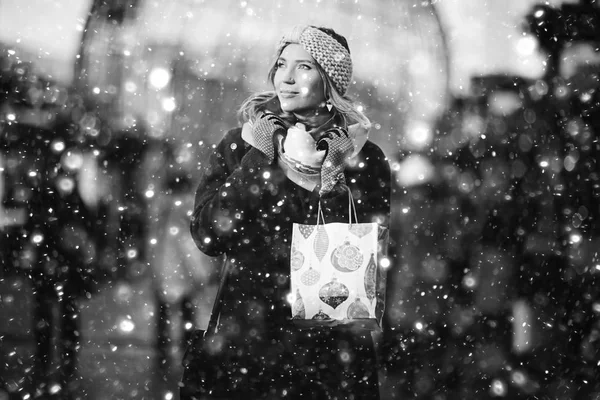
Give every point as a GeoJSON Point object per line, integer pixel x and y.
{"type": "Point", "coordinates": [303, 143]}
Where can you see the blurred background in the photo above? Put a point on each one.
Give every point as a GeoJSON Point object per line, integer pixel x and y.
{"type": "Point", "coordinates": [487, 111]}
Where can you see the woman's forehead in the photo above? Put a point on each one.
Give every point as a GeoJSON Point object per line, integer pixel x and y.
{"type": "Point", "coordinates": [295, 52]}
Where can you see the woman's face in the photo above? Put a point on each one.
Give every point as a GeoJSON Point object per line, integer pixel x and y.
{"type": "Point", "coordinates": [297, 82]}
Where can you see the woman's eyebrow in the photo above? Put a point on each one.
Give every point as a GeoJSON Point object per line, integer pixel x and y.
{"type": "Point", "coordinates": [297, 61]}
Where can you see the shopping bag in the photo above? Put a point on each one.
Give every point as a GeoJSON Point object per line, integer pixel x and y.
{"type": "Point", "coordinates": [338, 273]}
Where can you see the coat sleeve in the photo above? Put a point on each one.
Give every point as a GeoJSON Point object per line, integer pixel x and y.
{"type": "Point", "coordinates": [378, 199]}
{"type": "Point", "coordinates": [371, 190]}
{"type": "Point", "coordinates": [230, 196]}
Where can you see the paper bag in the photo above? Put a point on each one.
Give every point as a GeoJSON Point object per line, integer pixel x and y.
{"type": "Point", "coordinates": [338, 274]}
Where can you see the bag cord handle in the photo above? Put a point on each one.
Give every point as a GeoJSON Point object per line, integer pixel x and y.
{"type": "Point", "coordinates": [351, 210]}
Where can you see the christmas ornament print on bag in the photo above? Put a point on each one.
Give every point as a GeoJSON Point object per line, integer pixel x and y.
{"type": "Point", "coordinates": [298, 307]}
{"type": "Point", "coordinates": [334, 293]}
{"type": "Point", "coordinates": [346, 258]}
{"type": "Point", "coordinates": [297, 260]}
{"type": "Point", "coordinates": [370, 279]}
{"type": "Point", "coordinates": [338, 279]}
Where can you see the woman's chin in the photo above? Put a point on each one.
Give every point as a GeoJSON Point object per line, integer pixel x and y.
{"type": "Point", "coordinates": [286, 107]}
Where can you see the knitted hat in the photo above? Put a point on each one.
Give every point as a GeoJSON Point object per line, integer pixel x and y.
{"type": "Point", "coordinates": [330, 54]}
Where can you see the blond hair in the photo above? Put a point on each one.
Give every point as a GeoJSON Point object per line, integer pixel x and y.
{"type": "Point", "coordinates": [348, 109]}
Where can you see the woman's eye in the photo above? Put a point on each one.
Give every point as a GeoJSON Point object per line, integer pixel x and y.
{"type": "Point", "coordinates": [279, 64]}
{"type": "Point", "coordinates": [304, 66]}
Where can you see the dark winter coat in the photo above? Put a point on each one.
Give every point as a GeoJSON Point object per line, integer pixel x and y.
{"type": "Point", "coordinates": [245, 208]}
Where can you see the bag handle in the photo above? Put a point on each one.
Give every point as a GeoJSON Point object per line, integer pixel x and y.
{"type": "Point", "coordinates": [217, 305]}
{"type": "Point", "coordinates": [351, 210]}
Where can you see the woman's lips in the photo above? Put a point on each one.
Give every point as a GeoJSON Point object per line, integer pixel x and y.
{"type": "Point", "coordinates": [287, 94]}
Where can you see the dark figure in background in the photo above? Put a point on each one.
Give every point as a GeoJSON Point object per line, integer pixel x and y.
{"type": "Point", "coordinates": [54, 245]}
{"type": "Point", "coordinates": [62, 228]}
{"type": "Point", "coordinates": [172, 252]}
{"type": "Point", "coordinates": [181, 272]}
{"type": "Point", "coordinates": [303, 143]}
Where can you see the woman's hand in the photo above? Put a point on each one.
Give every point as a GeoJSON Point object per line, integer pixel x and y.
{"type": "Point", "coordinates": [300, 146]}
{"type": "Point", "coordinates": [264, 130]}
{"type": "Point", "coordinates": [338, 145]}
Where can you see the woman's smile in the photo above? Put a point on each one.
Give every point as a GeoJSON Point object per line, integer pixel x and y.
{"type": "Point", "coordinates": [287, 93]}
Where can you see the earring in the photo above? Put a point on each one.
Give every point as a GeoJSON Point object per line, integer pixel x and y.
{"type": "Point", "coordinates": [328, 105]}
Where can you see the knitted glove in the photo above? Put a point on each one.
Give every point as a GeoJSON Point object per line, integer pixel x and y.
{"type": "Point", "coordinates": [338, 145]}
{"type": "Point", "coordinates": [301, 147]}
{"type": "Point", "coordinates": [264, 129]}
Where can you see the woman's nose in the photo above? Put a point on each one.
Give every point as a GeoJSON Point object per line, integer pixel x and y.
{"type": "Point", "coordinates": [288, 76]}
